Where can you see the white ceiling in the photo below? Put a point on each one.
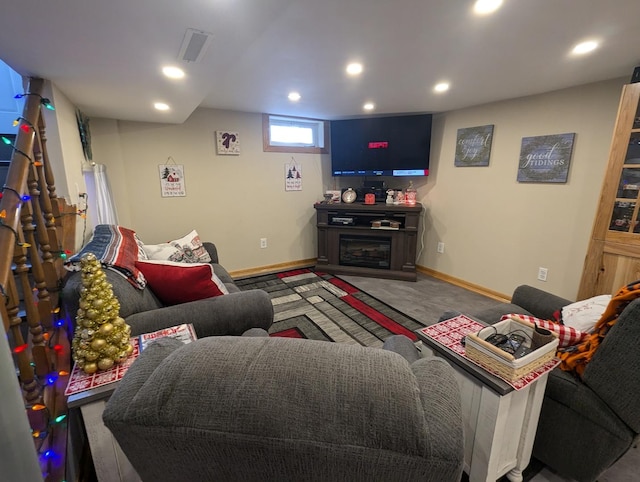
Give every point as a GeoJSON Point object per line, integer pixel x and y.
{"type": "Point", "coordinates": [106, 56]}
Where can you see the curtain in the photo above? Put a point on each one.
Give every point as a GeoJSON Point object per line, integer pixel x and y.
{"type": "Point", "coordinates": [105, 208]}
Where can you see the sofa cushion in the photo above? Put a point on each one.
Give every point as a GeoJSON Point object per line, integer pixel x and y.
{"type": "Point", "coordinates": [175, 283]}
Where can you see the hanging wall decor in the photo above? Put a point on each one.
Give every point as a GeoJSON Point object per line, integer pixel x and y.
{"type": "Point", "coordinates": [545, 158]}
{"type": "Point", "coordinates": [473, 146]}
{"type": "Point", "coordinates": [228, 143]}
{"type": "Point", "coordinates": [293, 176]}
{"type": "Point", "coordinates": [172, 179]}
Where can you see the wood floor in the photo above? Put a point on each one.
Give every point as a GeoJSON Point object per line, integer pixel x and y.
{"type": "Point", "coordinates": [427, 299]}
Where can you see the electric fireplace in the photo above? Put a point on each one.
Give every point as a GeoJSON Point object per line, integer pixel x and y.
{"type": "Point", "coordinates": [365, 251]}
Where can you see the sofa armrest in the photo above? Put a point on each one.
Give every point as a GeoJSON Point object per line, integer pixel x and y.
{"type": "Point", "coordinates": [212, 250]}
{"type": "Point", "coordinates": [538, 302]}
{"type": "Point", "coordinates": [231, 314]}
{"type": "Point", "coordinates": [403, 346]}
{"type": "Point", "coordinates": [442, 407]}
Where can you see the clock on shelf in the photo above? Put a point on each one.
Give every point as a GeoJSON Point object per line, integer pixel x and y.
{"type": "Point", "coordinates": [349, 196]}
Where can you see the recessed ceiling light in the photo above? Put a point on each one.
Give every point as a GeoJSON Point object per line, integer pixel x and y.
{"type": "Point", "coordinates": [441, 87]}
{"type": "Point", "coordinates": [483, 7]}
{"type": "Point", "coordinates": [354, 69]}
{"type": "Point", "coordinates": [161, 106]}
{"type": "Point", "coordinates": [585, 47]}
{"type": "Point", "coordinates": [294, 96]}
{"type": "Point", "coordinates": [173, 72]}
{"type": "Point", "coordinates": [369, 106]}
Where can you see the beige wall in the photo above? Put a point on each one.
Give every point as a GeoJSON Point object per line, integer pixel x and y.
{"type": "Point", "coordinates": [231, 200]}
{"type": "Point", "coordinates": [498, 232]}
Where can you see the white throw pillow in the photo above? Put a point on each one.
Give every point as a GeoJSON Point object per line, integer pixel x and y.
{"type": "Point", "coordinates": [192, 248]}
{"type": "Point", "coordinates": [161, 252]}
{"type": "Point", "coordinates": [583, 315]}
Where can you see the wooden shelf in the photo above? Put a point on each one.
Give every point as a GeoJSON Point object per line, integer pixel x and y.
{"type": "Point", "coordinates": [354, 221]}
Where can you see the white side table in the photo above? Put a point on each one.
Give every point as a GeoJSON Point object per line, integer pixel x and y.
{"type": "Point", "coordinates": [109, 461]}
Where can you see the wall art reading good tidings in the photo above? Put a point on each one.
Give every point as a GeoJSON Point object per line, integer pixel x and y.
{"type": "Point", "coordinates": [228, 142]}
{"type": "Point", "coordinates": [473, 146]}
{"type": "Point", "coordinates": [545, 158]}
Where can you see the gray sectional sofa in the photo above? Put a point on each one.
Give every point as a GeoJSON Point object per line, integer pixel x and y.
{"type": "Point", "coordinates": [230, 314]}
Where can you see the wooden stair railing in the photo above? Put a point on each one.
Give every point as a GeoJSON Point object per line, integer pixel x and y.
{"type": "Point", "coordinates": [33, 447]}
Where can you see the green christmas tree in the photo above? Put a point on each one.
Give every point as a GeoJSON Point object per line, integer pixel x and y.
{"type": "Point", "coordinates": [101, 338]}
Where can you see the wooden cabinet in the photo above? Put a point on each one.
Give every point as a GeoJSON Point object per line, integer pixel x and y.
{"type": "Point", "coordinates": [613, 258]}
{"type": "Point", "coordinates": [368, 239]}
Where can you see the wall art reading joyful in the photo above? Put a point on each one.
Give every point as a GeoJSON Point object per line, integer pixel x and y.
{"type": "Point", "coordinates": [545, 158]}
{"type": "Point", "coordinates": [473, 146]}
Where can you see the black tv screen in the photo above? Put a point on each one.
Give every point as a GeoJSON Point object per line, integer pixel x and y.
{"type": "Point", "coordinates": [381, 146]}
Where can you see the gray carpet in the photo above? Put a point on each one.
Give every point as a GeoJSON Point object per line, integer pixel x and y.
{"type": "Point", "coordinates": [426, 299]}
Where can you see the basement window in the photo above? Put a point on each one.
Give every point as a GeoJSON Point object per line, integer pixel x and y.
{"type": "Point", "coordinates": [293, 134]}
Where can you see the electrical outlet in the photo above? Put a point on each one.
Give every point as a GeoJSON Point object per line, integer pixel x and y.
{"type": "Point", "coordinates": [440, 247]}
{"type": "Point", "coordinates": [263, 243]}
{"type": "Point", "coordinates": [542, 274]}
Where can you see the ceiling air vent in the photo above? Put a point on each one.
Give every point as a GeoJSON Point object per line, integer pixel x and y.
{"type": "Point", "coordinates": [194, 45]}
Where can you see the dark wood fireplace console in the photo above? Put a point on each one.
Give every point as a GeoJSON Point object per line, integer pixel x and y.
{"type": "Point", "coordinates": [376, 240]}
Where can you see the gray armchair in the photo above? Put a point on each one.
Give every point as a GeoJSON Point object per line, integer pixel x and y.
{"type": "Point", "coordinates": [260, 408]}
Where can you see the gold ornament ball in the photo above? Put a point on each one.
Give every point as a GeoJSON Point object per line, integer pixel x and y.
{"type": "Point", "coordinates": [97, 304]}
{"type": "Point", "coordinates": [118, 322]}
{"type": "Point", "coordinates": [110, 350]}
{"type": "Point", "coordinates": [91, 355]}
{"type": "Point", "coordinates": [105, 363]}
{"type": "Point", "coordinates": [98, 344]}
{"type": "Point", "coordinates": [90, 368]}
{"type": "Point", "coordinates": [106, 329]}
{"type": "Point", "coordinates": [129, 349]}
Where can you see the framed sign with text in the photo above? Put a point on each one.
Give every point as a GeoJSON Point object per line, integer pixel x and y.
{"type": "Point", "coordinates": [473, 146]}
{"type": "Point", "coordinates": [545, 158]}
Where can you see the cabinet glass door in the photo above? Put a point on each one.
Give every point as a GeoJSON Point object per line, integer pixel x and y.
{"type": "Point", "coordinates": [625, 216]}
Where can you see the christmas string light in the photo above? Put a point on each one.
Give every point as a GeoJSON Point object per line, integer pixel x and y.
{"type": "Point", "coordinates": [25, 127]}
{"type": "Point", "coordinates": [43, 100]}
{"type": "Point", "coordinates": [8, 142]}
{"type": "Point", "coordinates": [15, 233]}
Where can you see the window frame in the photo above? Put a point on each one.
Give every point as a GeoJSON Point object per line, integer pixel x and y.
{"type": "Point", "coordinates": [266, 139]}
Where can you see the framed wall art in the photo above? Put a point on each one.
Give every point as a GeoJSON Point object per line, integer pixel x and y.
{"type": "Point", "coordinates": [172, 179]}
{"type": "Point", "coordinates": [473, 146]}
{"type": "Point", "coordinates": [227, 143]}
{"type": "Point", "coordinates": [545, 158]}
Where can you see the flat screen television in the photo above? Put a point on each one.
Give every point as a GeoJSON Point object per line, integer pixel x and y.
{"type": "Point", "coordinates": [381, 146]}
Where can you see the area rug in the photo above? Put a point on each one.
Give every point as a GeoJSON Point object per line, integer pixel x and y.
{"type": "Point", "coordinates": [321, 306]}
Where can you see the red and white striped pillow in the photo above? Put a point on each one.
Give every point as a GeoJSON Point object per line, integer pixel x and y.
{"type": "Point", "coordinates": [567, 336]}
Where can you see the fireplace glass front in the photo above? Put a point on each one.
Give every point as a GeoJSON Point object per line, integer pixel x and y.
{"type": "Point", "coordinates": [365, 251]}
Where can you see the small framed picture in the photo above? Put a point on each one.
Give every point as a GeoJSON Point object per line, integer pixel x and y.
{"type": "Point", "coordinates": [228, 143]}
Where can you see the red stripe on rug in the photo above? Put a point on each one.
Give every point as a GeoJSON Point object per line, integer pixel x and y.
{"type": "Point", "coordinates": [343, 285]}
{"type": "Point", "coordinates": [379, 318]}
{"type": "Point", "coordinates": [295, 272]}
{"type": "Point", "coordinates": [290, 333]}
